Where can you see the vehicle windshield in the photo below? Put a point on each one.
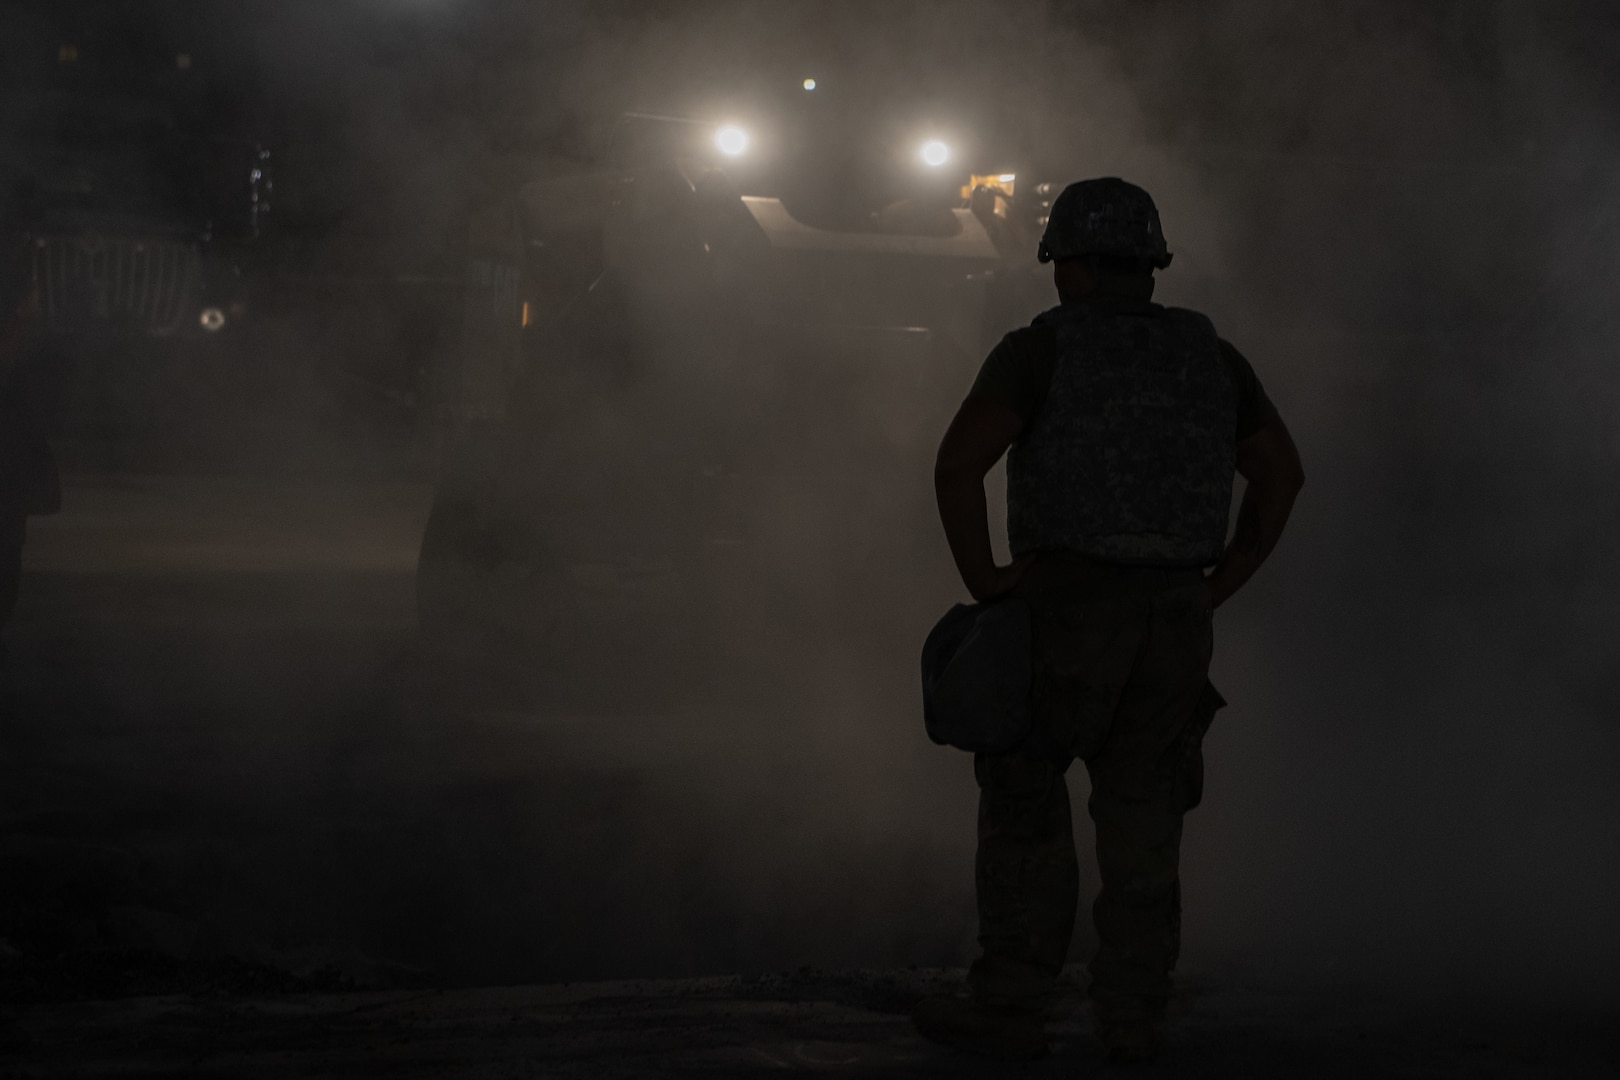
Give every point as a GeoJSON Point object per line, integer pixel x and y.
{"type": "Point", "coordinates": [103, 155]}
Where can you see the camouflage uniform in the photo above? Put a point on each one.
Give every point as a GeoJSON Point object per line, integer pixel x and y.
{"type": "Point", "coordinates": [1121, 681]}
{"type": "Point", "coordinates": [1119, 486]}
{"type": "Point", "coordinates": [1130, 458]}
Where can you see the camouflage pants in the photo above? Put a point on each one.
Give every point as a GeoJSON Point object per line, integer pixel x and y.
{"type": "Point", "coordinates": [1122, 683]}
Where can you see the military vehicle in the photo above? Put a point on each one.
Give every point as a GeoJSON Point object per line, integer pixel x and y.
{"type": "Point", "coordinates": [708, 363]}
{"type": "Point", "coordinates": [122, 247]}
{"type": "Point", "coordinates": [140, 196]}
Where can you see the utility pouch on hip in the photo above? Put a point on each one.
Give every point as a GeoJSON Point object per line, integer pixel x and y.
{"type": "Point", "coordinates": [976, 674]}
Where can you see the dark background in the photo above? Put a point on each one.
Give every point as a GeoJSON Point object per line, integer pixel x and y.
{"type": "Point", "coordinates": [222, 737]}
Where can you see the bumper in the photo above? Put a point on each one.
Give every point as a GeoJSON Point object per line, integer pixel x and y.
{"type": "Point", "coordinates": [125, 286]}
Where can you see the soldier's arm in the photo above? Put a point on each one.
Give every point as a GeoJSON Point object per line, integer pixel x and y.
{"type": "Point", "coordinates": [978, 436]}
{"type": "Point", "coordinates": [1269, 462]}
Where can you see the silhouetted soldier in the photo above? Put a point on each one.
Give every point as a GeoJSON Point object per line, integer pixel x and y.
{"type": "Point", "coordinates": [1125, 421]}
{"type": "Point", "coordinates": [28, 477]}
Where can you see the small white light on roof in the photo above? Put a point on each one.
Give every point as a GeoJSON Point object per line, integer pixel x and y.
{"type": "Point", "coordinates": [935, 153]}
{"type": "Point", "coordinates": [731, 140]}
{"type": "Point", "coordinates": [809, 84]}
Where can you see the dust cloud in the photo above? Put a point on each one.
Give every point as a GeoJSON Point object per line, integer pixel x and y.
{"type": "Point", "coordinates": [1409, 243]}
{"type": "Point", "coordinates": [1400, 213]}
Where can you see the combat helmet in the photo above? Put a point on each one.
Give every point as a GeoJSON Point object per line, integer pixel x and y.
{"type": "Point", "coordinates": [1106, 216]}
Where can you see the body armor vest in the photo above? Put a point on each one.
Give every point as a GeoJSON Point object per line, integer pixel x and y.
{"type": "Point", "coordinates": [1131, 455]}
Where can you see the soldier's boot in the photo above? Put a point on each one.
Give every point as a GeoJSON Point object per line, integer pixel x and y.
{"type": "Point", "coordinates": [977, 1026]}
{"type": "Point", "coordinates": [1027, 884]}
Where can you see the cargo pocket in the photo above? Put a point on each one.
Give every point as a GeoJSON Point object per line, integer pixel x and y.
{"type": "Point", "coordinates": [1192, 747]}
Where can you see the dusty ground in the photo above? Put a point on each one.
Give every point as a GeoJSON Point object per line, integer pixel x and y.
{"type": "Point", "coordinates": [247, 827]}
{"type": "Point", "coordinates": [834, 1024]}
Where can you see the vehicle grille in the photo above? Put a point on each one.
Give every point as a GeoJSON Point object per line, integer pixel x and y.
{"type": "Point", "coordinates": [126, 284]}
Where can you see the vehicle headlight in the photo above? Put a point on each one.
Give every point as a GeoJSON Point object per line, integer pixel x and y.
{"type": "Point", "coordinates": [731, 141]}
{"type": "Point", "coordinates": [211, 319]}
{"type": "Point", "coordinates": [935, 153]}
